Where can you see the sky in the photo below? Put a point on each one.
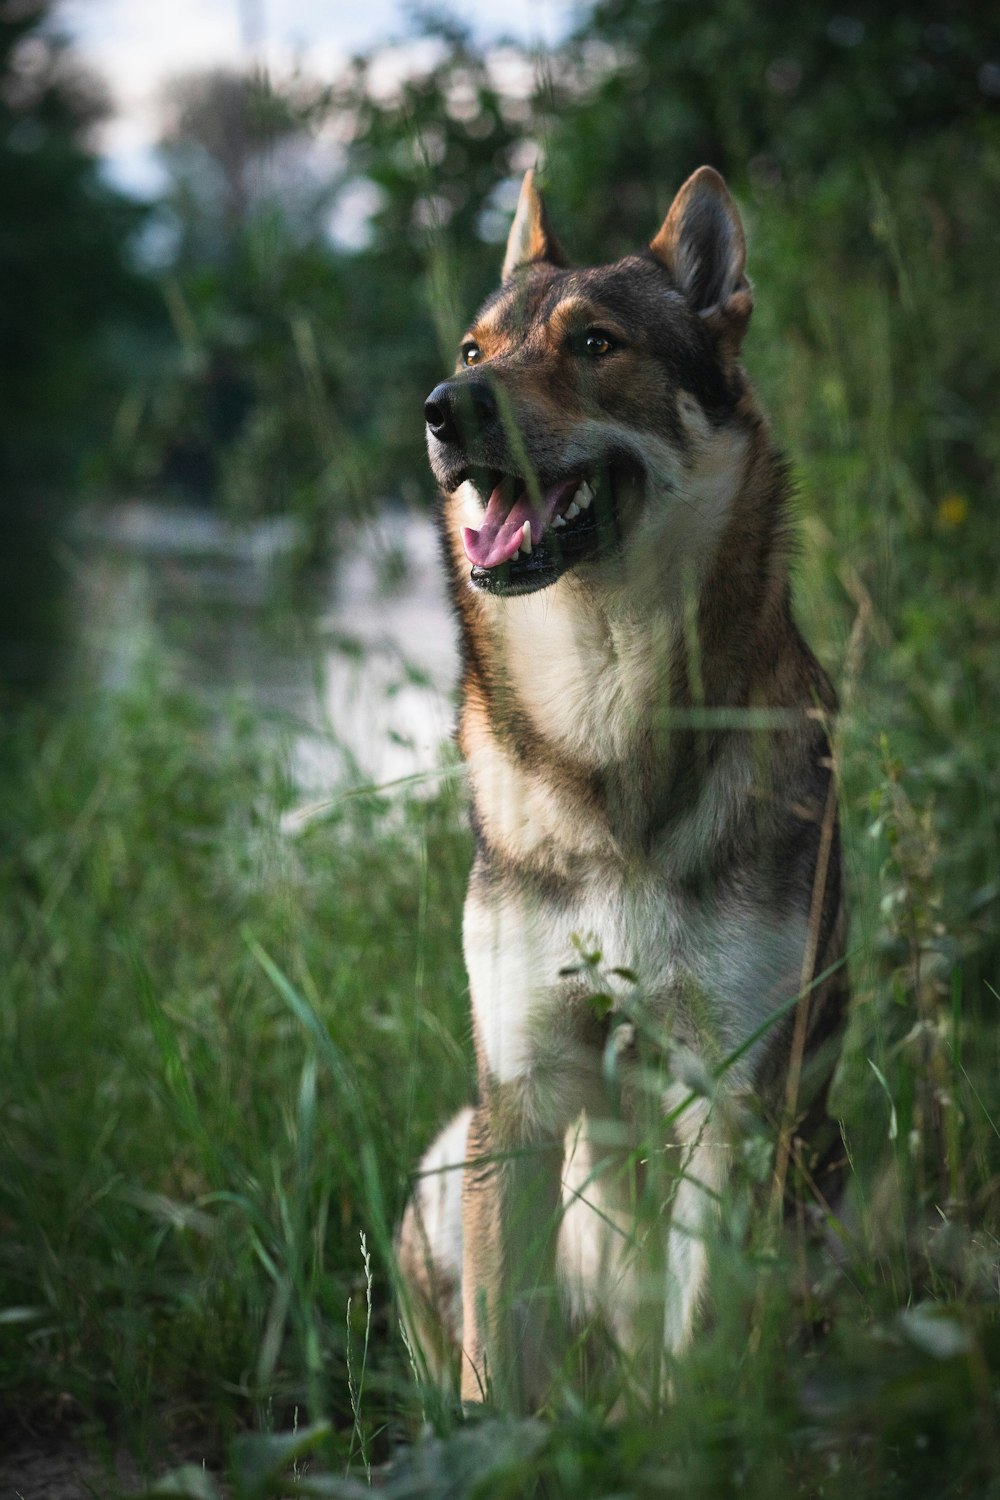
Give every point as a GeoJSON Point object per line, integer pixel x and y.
{"type": "Point", "coordinates": [138, 45]}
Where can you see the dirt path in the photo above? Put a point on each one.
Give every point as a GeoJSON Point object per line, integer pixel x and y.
{"type": "Point", "coordinates": [61, 1467]}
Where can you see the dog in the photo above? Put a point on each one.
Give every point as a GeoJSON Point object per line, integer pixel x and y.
{"type": "Point", "coordinates": [654, 930]}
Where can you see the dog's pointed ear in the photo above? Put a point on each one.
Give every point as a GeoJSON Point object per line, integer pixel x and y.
{"type": "Point", "coordinates": [531, 238]}
{"type": "Point", "coordinates": [702, 245]}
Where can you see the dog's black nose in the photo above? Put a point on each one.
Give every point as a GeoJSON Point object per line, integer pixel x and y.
{"type": "Point", "coordinates": [438, 413]}
{"type": "Point", "coordinates": [458, 408]}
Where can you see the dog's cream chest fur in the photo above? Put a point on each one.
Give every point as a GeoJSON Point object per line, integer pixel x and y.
{"type": "Point", "coordinates": [516, 945]}
{"type": "Point", "coordinates": [595, 680]}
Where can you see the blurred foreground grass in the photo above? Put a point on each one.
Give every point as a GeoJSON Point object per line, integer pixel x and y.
{"type": "Point", "coordinates": [190, 1154]}
{"type": "Point", "coordinates": [224, 1046]}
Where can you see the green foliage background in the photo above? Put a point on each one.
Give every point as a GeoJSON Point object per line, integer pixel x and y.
{"type": "Point", "coordinates": [224, 1047]}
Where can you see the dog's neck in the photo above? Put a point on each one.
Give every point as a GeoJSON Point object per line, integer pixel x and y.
{"type": "Point", "coordinates": [579, 699]}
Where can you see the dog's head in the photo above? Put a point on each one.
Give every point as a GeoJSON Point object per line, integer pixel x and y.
{"type": "Point", "coordinates": [580, 397]}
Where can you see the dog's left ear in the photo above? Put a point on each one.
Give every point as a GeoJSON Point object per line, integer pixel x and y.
{"type": "Point", "coordinates": [531, 238]}
{"type": "Point", "coordinates": [701, 243]}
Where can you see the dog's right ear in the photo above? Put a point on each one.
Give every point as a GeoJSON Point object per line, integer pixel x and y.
{"type": "Point", "coordinates": [531, 238]}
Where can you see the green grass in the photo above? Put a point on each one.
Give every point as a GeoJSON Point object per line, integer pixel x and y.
{"type": "Point", "coordinates": [190, 1153]}
{"type": "Point", "coordinates": [224, 1047]}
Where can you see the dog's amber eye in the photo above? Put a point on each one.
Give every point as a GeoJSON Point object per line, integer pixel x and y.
{"type": "Point", "coordinates": [597, 343]}
{"type": "Point", "coordinates": [471, 354]}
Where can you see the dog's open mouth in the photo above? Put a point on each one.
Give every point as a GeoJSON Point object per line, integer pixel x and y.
{"type": "Point", "coordinates": [531, 533]}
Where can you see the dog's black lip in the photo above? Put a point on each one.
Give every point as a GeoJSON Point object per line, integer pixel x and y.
{"type": "Point", "coordinates": [522, 575]}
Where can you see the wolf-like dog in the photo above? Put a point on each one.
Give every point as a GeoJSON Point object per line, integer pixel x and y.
{"type": "Point", "coordinates": [653, 802]}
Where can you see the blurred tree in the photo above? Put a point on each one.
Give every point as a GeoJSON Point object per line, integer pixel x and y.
{"type": "Point", "coordinates": [70, 300]}
{"type": "Point", "coordinates": [790, 95]}
{"type": "Point", "coordinates": [246, 415]}
{"type": "Point", "coordinates": [237, 150]}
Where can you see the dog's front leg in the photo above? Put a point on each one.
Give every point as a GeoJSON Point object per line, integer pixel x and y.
{"type": "Point", "coordinates": [510, 1210]}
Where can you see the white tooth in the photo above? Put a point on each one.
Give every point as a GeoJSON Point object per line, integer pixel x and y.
{"type": "Point", "coordinates": [559, 521]}
{"type": "Point", "coordinates": [525, 538]}
{"type": "Point", "coordinates": [574, 510]}
{"type": "Point", "coordinates": [472, 505]}
{"type": "Point", "coordinates": [584, 496]}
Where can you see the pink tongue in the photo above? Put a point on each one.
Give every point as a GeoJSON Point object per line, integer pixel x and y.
{"type": "Point", "coordinates": [500, 535]}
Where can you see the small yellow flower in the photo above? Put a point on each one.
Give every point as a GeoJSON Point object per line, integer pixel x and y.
{"type": "Point", "coordinates": [952, 510]}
